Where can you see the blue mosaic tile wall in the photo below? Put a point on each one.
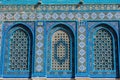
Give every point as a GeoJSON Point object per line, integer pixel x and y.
{"type": "Point", "coordinates": [111, 70]}
{"type": "Point", "coordinates": [67, 57]}
{"type": "Point", "coordinates": [17, 57]}
{"type": "Point", "coordinates": [22, 16]}
{"type": "Point", "coordinates": [41, 19]}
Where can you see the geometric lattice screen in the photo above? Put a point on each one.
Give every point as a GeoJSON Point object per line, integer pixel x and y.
{"type": "Point", "coordinates": [60, 51]}
{"type": "Point", "coordinates": [19, 43]}
{"type": "Point", "coordinates": [17, 49]}
{"type": "Point", "coordinates": [103, 50]}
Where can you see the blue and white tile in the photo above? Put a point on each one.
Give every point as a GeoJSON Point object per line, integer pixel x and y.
{"type": "Point", "coordinates": [2, 16]}
{"type": "Point", "coordinates": [102, 15]}
{"type": "Point", "coordinates": [82, 60]}
{"type": "Point", "coordinates": [93, 15]}
{"type": "Point", "coordinates": [81, 29]}
{"type": "Point", "coordinates": [55, 16]}
{"type": "Point", "coordinates": [82, 68]}
{"type": "Point", "coordinates": [40, 16]}
{"type": "Point", "coordinates": [82, 44]}
{"type": "Point", "coordinates": [32, 16]}
{"type": "Point", "coordinates": [82, 52]}
{"type": "Point", "coordinates": [17, 16]}
{"type": "Point", "coordinates": [39, 44]}
{"type": "Point", "coordinates": [78, 16]}
{"type": "Point", "coordinates": [70, 16]}
{"type": "Point", "coordinates": [39, 68]}
{"type": "Point", "coordinates": [39, 29]}
{"type": "Point", "coordinates": [39, 52]}
{"type": "Point", "coordinates": [81, 37]}
{"type": "Point", "coordinates": [24, 16]}
{"type": "Point", "coordinates": [39, 36]}
{"type": "Point", "coordinates": [39, 60]}
{"type": "Point", "coordinates": [117, 15]}
{"type": "Point", "coordinates": [86, 15]}
{"type": "Point", "coordinates": [9, 16]}
{"type": "Point", "coordinates": [109, 15]}
{"type": "Point", "coordinates": [47, 16]}
{"type": "Point", "coordinates": [63, 16]}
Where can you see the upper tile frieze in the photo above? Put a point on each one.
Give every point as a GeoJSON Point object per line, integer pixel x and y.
{"type": "Point", "coordinates": [84, 7]}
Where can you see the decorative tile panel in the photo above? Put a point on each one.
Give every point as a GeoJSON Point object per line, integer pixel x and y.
{"type": "Point", "coordinates": [39, 52]}
{"type": "Point", "coordinates": [22, 16]}
{"type": "Point", "coordinates": [58, 13]}
{"type": "Point", "coordinates": [81, 47]}
{"type": "Point", "coordinates": [17, 54]}
{"type": "Point", "coordinates": [103, 48]}
{"type": "Point", "coordinates": [65, 7]}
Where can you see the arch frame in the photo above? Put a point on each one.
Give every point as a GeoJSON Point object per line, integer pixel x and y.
{"type": "Point", "coordinates": [30, 31]}
{"type": "Point", "coordinates": [114, 33]}
{"type": "Point", "coordinates": [50, 33]}
{"type": "Point", "coordinates": [113, 40]}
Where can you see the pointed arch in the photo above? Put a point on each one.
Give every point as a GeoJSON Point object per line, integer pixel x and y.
{"type": "Point", "coordinates": [18, 52]}
{"type": "Point", "coordinates": [60, 51]}
{"type": "Point", "coordinates": [104, 58]}
{"type": "Point", "coordinates": [103, 50]}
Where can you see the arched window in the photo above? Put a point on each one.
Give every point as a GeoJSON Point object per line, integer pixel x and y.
{"type": "Point", "coordinates": [19, 49]}
{"type": "Point", "coordinates": [104, 54]}
{"type": "Point", "coordinates": [103, 50]}
{"type": "Point", "coordinates": [60, 54]}
{"type": "Point", "coordinates": [18, 52]}
{"type": "Point", "coordinates": [60, 1]}
{"type": "Point", "coordinates": [60, 51]}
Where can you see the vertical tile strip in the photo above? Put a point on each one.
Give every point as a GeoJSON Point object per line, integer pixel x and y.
{"type": "Point", "coordinates": [81, 47]}
{"type": "Point", "coordinates": [39, 48]}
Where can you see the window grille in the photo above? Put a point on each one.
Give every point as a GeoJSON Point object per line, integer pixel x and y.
{"type": "Point", "coordinates": [103, 50]}
{"type": "Point", "coordinates": [17, 50]}
{"type": "Point", "coordinates": [19, 42]}
{"type": "Point", "coordinates": [60, 51]}
{"type": "Point", "coordinates": [60, 1]}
